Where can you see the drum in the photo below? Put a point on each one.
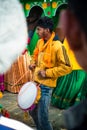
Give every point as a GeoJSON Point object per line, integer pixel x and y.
{"type": "Point", "coordinates": [27, 95]}
{"type": "Point", "coordinates": [18, 74]}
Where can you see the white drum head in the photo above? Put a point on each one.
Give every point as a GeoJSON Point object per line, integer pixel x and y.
{"type": "Point", "coordinates": [27, 95]}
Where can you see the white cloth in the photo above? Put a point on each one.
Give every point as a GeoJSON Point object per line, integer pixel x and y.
{"type": "Point", "coordinates": [8, 124]}
{"type": "Point", "coordinates": [13, 32]}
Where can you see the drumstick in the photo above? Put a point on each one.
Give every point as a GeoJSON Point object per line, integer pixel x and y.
{"type": "Point", "coordinates": [21, 78]}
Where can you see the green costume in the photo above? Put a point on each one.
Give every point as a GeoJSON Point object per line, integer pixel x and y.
{"type": "Point", "coordinates": [71, 88]}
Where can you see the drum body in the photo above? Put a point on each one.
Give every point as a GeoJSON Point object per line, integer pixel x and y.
{"type": "Point", "coordinates": [18, 74]}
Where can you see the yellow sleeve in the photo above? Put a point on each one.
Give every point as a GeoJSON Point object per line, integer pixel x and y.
{"type": "Point", "coordinates": [63, 64]}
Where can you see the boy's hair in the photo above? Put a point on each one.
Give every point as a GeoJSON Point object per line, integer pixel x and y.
{"type": "Point", "coordinates": [79, 8]}
{"type": "Point", "coordinates": [46, 22]}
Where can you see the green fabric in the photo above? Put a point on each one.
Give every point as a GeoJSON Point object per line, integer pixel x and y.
{"type": "Point", "coordinates": [70, 89]}
{"type": "Point", "coordinates": [33, 43]}
{"type": "Point", "coordinates": [1, 106]}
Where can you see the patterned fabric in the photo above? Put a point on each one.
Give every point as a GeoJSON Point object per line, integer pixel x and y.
{"type": "Point", "coordinates": [2, 88]}
{"type": "Point", "coordinates": [70, 89]}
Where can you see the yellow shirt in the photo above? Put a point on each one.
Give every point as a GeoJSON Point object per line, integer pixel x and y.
{"type": "Point", "coordinates": [59, 62]}
{"type": "Point", "coordinates": [75, 65]}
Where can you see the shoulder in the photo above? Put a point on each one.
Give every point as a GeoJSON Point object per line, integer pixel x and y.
{"type": "Point", "coordinates": [39, 42]}
{"type": "Point", "coordinates": [57, 44]}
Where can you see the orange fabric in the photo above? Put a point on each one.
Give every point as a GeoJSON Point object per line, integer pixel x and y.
{"type": "Point", "coordinates": [47, 46]}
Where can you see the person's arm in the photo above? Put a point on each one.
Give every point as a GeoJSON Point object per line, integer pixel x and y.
{"type": "Point", "coordinates": [64, 66]}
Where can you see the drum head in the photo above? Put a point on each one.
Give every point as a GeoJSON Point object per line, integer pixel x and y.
{"type": "Point", "coordinates": [27, 95]}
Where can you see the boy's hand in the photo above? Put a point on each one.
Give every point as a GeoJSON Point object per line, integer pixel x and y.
{"type": "Point", "coordinates": [32, 66]}
{"type": "Point", "coordinates": [42, 73]}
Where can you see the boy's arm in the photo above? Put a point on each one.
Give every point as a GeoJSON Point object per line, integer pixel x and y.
{"type": "Point", "coordinates": [64, 66]}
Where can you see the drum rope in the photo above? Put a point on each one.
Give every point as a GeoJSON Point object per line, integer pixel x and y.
{"type": "Point", "coordinates": [20, 78]}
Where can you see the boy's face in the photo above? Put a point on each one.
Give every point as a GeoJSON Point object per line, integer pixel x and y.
{"type": "Point", "coordinates": [42, 32]}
